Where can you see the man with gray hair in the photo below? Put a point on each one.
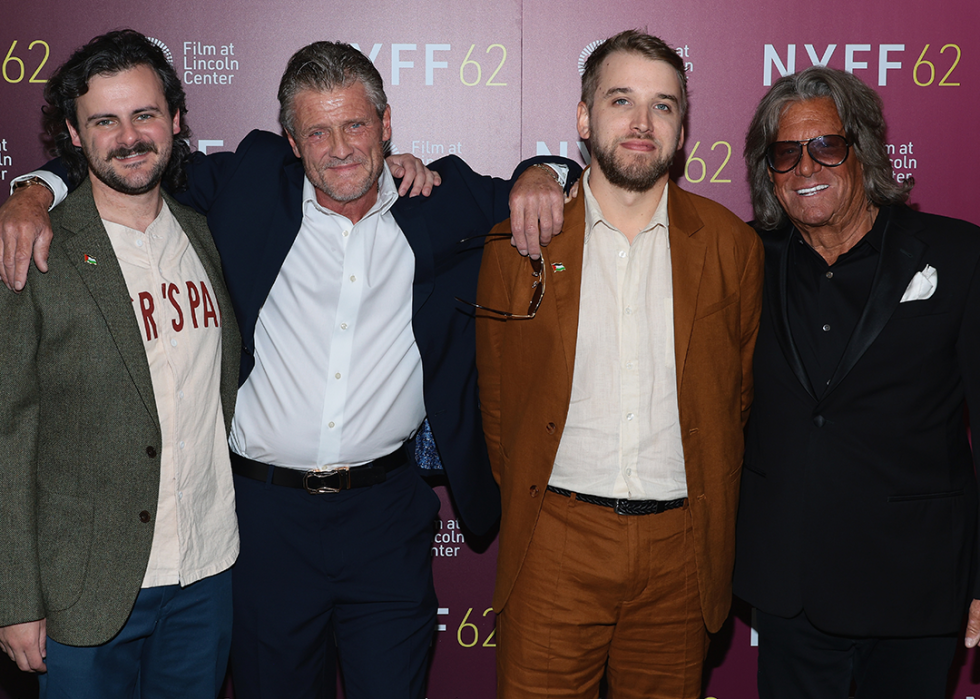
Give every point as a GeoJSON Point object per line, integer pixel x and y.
{"type": "Point", "coordinates": [857, 529]}
{"type": "Point", "coordinates": [357, 369]}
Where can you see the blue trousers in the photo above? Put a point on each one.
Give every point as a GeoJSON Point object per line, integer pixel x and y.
{"type": "Point", "coordinates": [345, 575]}
{"type": "Point", "coordinates": [173, 646]}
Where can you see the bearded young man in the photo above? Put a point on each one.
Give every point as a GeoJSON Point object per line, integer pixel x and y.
{"type": "Point", "coordinates": [619, 460]}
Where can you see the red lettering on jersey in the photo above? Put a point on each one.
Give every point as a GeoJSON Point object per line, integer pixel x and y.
{"type": "Point", "coordinates": [172, 292]}
{"type": "Point", "coordinates": [195, 300]}
{"type": "Point", "coordinates": [146, 307]}
{"type": "Point", "coordinates": [208, 306]}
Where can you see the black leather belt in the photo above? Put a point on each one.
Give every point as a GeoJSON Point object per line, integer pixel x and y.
{"type": "Point", "coordinates": [624, 507]}
{"type": "Point", "coordinates": [331, 480]}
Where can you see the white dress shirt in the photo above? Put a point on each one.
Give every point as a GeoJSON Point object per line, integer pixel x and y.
{"type": "Point", "coordinates": [622, 437]}
{"type": "Point", "coordinates": [338, 376]}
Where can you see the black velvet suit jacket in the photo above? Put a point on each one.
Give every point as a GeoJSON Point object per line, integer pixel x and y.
{"type": "Point", "coordinates": [861, 506]}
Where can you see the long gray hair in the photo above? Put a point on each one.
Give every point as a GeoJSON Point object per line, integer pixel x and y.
{"type": "Point", "coordinates": [859, 108]}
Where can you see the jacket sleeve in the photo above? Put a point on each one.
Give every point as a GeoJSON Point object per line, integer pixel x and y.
{"type": "Point", "coordinates": [20, 580]}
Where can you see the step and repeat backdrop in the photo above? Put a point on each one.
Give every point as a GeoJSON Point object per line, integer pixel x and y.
{"type": "Point", "coordinates": [496, 82]}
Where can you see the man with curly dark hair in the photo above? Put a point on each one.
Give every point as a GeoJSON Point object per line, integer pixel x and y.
{"type": "Point", "coordinates": [118, 389]}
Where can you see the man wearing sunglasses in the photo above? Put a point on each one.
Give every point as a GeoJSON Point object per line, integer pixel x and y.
{"type": "Point", "coordinates": [618, 459]}
{"type": "Point", "coordinates": [858, 517]}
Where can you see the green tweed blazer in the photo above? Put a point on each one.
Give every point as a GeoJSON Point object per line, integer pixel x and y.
{"type": "Point", "coordinates": [80, 437]}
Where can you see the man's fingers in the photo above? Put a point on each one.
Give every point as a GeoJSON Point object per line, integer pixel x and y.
{"type": "Point", "coordinates": [26, 644]}
{"type": "Point", "coordinates": [41, 249]}
{"type": "Point", "coordinates": [973, 625]}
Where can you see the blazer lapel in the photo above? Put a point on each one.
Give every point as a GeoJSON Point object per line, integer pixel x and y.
{"type": "Point", "coordinates": [416, 231]}
{"type": "Point", "coordinates": [687, 252]}
{"type": "Point", "coordinates": [776, 278]}
{"type": "Point", "coordinates": [84, 239]}
{"type": "Point", "coordinates": [564, 288]}
{"type": "Point", "coordinates": [900, 257]}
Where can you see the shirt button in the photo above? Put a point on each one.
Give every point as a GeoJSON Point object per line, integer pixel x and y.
{"type": "Point", "coordinates": [630, 416]}
{"type": "Point", "coordinates": [181, 445]}
{"type": "Point", "coordinates": [330, 425]}
{"type": "Point", "coordinates": [180, 394]}
{"type": "Point", "coordinates": [346, 233]}
{"type": "Point", "coordinates": [343, 326]}
{"type": "Point", "coordinates": [622, 253]}
{"type": "Point", "coordinates": [173, 343]}
{"type": "Point", "coordinates": [337, 375]}
{"type": "Point", "coordinates": [629, 311]}
{"type": "Point", "coordinates": [180, 495]}
{"type": "Point", "coordinates": [829, 275]}
{"type": "Point", "coordinates": [139, 243]}
{"type": "Point", "coordinates": [353, 278]}
{"type": "Point", "coordinates": [629, 472]}
{"type": "Point", "coordinates": [826, 327]}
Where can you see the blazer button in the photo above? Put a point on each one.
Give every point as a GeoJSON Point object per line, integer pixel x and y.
{"type": "Point", "coordinates": [550, 427]}
{"type": "Point", "coordinates": [151, 452]}
{"type": "Point", "coordinates": [819, 420]}
{"type": "Point", "coordinates": [144, 516]}
{"type": "Point", "coordinates": [534, 491]}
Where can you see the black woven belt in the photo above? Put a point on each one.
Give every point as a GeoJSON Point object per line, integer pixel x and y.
{"type": "Point", "coordinates": [624, 507]}
{"type": "Point", "coordinates": [328, 481]}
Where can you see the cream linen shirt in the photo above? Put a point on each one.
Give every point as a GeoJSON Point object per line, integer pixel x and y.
{"type": "Point", "coordinates": [622, 437]}
{"type": "Point", "coordinates": [196, 532]}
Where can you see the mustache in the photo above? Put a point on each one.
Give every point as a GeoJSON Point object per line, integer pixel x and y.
{"type": "Point", "coordinates": [340, 162]}
{"type": "Point", "coordinates": [136, 149]}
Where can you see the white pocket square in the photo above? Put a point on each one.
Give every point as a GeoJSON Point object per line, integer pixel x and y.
{"type": "Point", "coordinates": [922, 286]}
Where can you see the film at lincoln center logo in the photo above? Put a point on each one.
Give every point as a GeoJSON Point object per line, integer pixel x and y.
{"type": "Point", "coordinates": [586, 52]}
{"type": "Point", "coordinates": [163, 47]}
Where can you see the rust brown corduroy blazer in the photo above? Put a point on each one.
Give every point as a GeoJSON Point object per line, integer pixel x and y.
{"type": "Point", "coordinates": [525, 376]}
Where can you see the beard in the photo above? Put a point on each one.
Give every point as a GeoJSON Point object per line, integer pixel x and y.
{"type": "Point", "coordinates": [634, 175]}
{"type": "Point", "coordinates": [103, 168]}
{"type": "Point", "coordinates": [347, 191]}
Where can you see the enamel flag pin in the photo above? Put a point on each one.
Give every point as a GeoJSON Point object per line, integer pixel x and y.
{"type": "Point", "coordinates": [90, 260]}
{"type": "Point", "coordinates": [557, 267]}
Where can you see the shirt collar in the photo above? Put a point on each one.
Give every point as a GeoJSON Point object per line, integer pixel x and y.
{"type": "Point", "coordinates": [387, 196]}
{"type": "Point", "coordinates": [874, 237]}
{"type": "Point", "coordinates": [594, 215]}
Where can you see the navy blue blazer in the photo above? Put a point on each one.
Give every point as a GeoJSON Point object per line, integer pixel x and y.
{"type": "Point", "coordinates": [253, 201]}
{"type": "Point", "coordinates": [859, 504]}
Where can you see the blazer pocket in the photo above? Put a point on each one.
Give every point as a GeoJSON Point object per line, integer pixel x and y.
{"type": "Point", "coordinates": [715, 307]}
{"type": "Point", "coordinates": [925, 496]}
{"type": "Point", "coordinates": [64, 533]}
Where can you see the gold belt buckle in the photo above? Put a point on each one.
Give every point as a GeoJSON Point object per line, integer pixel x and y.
{"type": "Point", "coordinates": [343, 476]}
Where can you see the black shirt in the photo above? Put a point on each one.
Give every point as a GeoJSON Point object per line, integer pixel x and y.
{"type": "Point", "coordinates": [825, 301]}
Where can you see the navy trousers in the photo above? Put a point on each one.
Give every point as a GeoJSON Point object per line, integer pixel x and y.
{"type": "Point", "coordinates": [173, 646]}
{"type": "Point", "coordinates": [335, 575]}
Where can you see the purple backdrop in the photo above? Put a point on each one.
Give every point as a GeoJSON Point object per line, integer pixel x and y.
{"type": "Point", "coordinates": [497, 82]}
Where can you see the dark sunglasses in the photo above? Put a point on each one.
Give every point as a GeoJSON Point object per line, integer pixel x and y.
{"type": "Point", "coordinates": [830, 151]}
